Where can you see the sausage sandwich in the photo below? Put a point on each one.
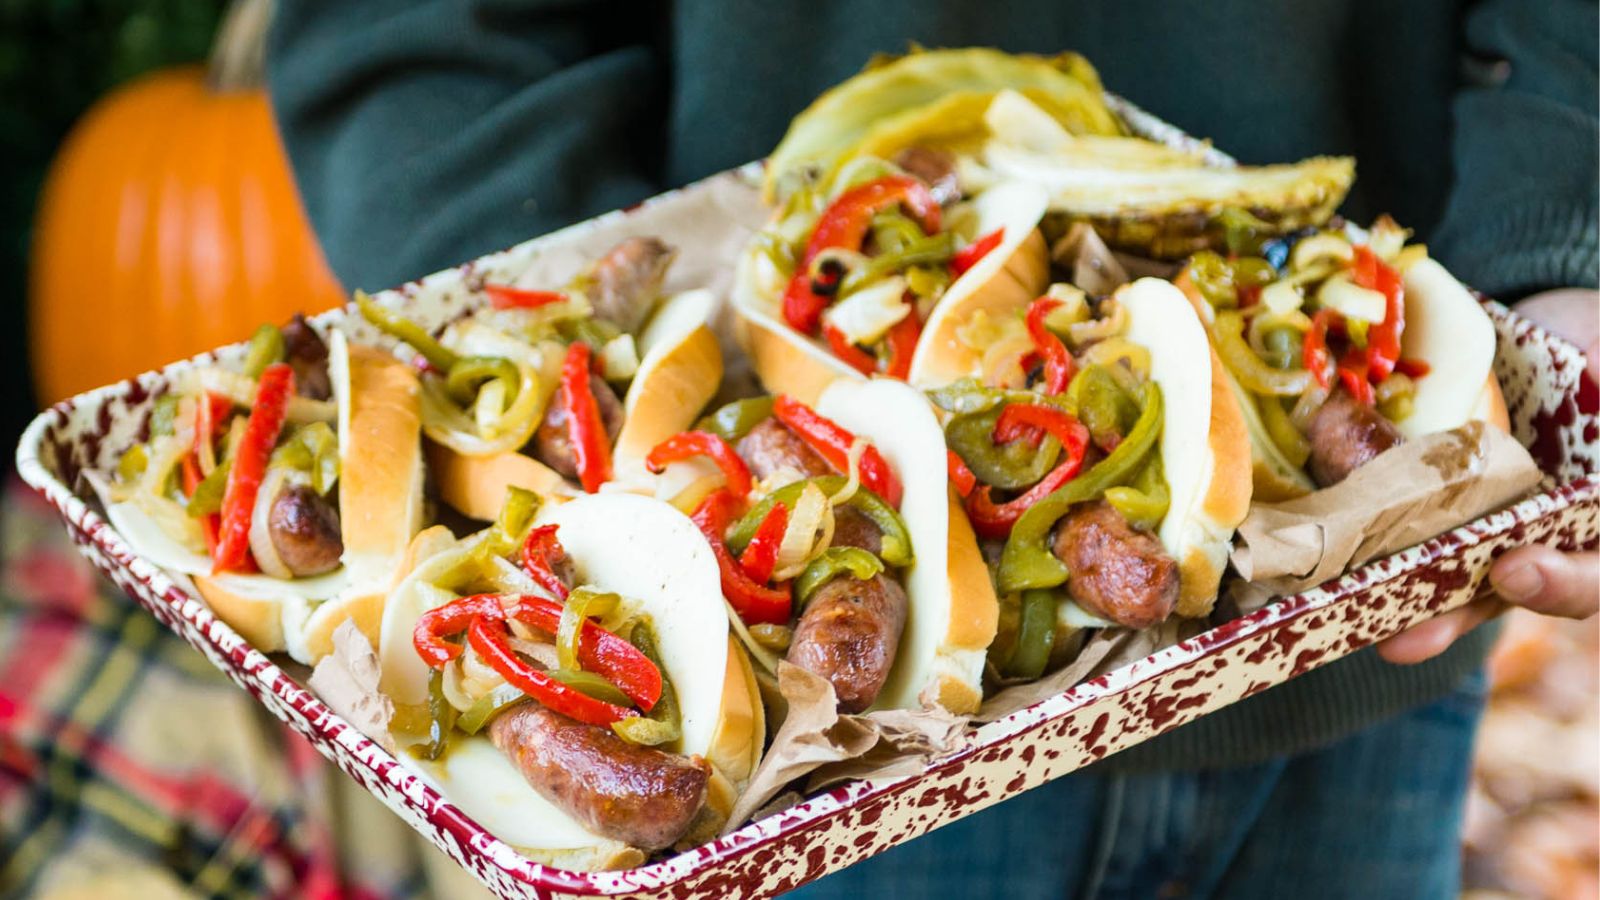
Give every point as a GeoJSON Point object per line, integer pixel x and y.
{"type": "Point", "coordinates": [569, 680]}
{"type": "Point", "coordinates": [285, 482]}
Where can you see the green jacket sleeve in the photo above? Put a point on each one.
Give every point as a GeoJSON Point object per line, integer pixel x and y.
{"type": "Point", "coordinates": [452, 128]}
{"type": "Point", "coordinates": [1522, 212]}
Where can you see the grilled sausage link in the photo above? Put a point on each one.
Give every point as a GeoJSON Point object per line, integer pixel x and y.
{"type": "Point", "coordinates": [1117, 571]}
{"type": "Point", "coordinates": [849, 633]}
{"type": "Point", "coordinates": [307, 355]}
{"type": "Point", "coordinates": [771, 446]}
{"type": "Point", "coordinates": [639, 795]}
{"type": "Point", "coordinates": [304, 527]}
{"type": "Point", "coordinates": [627, 281]}
{"type": "Point", "coordinates": [551, 444]}
{"type": "Point", "coordinates": [1345, 434]}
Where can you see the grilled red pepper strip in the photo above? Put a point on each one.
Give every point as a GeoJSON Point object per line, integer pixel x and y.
{"type": "Point", "coordinates": [902, 341]}
{"type": "Point", "coordinates": [539, 553]}
{"type": "Point", "coordinates": [844, 224]}
{"type": "Point", "coordinates": [760, 556]}
{"type": "Point", "coordinates": [1314, 350]}
{"type": "Point", "coordinates": [1057, 361]}
{"type": "Point", "coordinates": [1353, 373]}
{"type": "Point", "coordinates": [1412, 368]}
{"type": "Point", "coordinates": [689, 444]}
{"type": "Point", "coordinates": [968, 256]}
{"type": "Point", "coordinates": [852, 356]}
{"type": "Point", "coordinates": [428, 635]}
{"type": "Point", "coordinates": [208, 416]}
{"type": "Point", "coordinates": [488, 637]}
{"type": "Point", "coordinates": [503, 296]}
{"type": "Point", "coordinates": [591, 446]}
{"type": "Point", "coordinates": [754, 602]}
{"type": "Point", "coordinates": [1383, 338]}
{"type": "Point", "coordinates": [599, 651]}
{"type": "Point", "coordinates": [991, 520]}
{"type": "Point", "coordinates": [960, 475]}
{"type": "Point", "coordinates": [833, 444]}
{"type": "Point", "coordinates": [250, 466]}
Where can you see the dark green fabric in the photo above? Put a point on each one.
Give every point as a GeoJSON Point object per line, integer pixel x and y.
{"type": "Point", "coordinates": [429, 132]}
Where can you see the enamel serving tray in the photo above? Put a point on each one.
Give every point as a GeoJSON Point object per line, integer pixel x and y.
{"type": "Point", "coordinates": [1554, 409]}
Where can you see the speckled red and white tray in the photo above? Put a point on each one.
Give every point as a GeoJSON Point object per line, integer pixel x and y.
{"type": "Point", "coordinates": [1553, 407]}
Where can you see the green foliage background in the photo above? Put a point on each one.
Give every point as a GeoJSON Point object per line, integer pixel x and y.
{"type": "Point", "coordinates": [56, 58]}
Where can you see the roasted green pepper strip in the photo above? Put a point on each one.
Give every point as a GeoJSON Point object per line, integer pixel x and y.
{"type": "Point", "coordinates": [1097, 399]}
{"type": "Point", "coordinates": [780, 252]}
{"type": "Point", "coordinates": [923, 251]}
{"type": "Point", "coordinates": [833, 562]}
{"type": "Point", "coordinates": [163, 414]}
{"type": "Point", "coordinates": [1036, 635]}
{"type": "Point", "coordinates": [397, 326]}
{"type": "Point", "coordinates": [207, 496]}
{"type": "Point", "coordinates": [594, 332]}
{"type": "Point", "coordinates": [1026, 562]}
{"type": "Point", "coordinates": [1281, 429]}
{"type": "Point", "coordinates": [313, 449]}
{"type": "Point", "coordinates": [895, 549]}
{"type": "Point", "coordinates": [734, 420]}
{"type": "Point", "coordinates": [893, 231]}
{"type": "Point", "coordinates": [1243, 232]}
{"type": "Point", "coordinates": [133, 463]}
{"type": "Point", "coordinates": [485, 708]}
{"type": "Point", "coordinates": [266, 348]}
{"type": "Point", "coordinates": [515, 519]}
{"type": "Point", "coordinates": [664, 723]}
{"type": "Point", "coordinates": [591, 684]}
{"type": "Point", "coordinates": [441, 718]}
{"type": "Point", "coordinates": [470, 373]}
{"type": "Point", "coordinates": [1144, 504]}
{"type": "Point", "coordinates": [1010, 466]}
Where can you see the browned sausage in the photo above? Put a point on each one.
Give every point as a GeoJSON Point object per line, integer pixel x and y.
{"type": "Point", "coordinates": [852, 528]}
{"type": "Point", "coordinates": [638, 795]}
{"type": "Point", "coordinates": [1116, 571]}
{"type": "Point", "coordinates": [627, 281]}
{"type": "Point", "coordinates": [304, 528]}
{"type": "Point", "coordinates": [849, 633]}
{"type": "Point", "coordinates": [1346, 434]}
{"type": "Point", "coordinates": [551, 444]}
{"type": "Point", "coordinates": [933, 167]}
{"type": "Point", "coordinates": [307, 355]}
{"type": "Point", "coordinates": [771, 446]}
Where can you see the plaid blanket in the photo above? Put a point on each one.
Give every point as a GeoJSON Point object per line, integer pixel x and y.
{"type": "Point", "coordinates": [129, 767]}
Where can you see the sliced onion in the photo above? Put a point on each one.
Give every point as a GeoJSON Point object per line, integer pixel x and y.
{"type": "Point", "coordinates": [241, 389]}
{"type": "Point", "coordinates": [207, 453]}
{"type": "Point", "coordinates": [1107, 325]}
{"type": "Point", "coordinates": [810, 515]}
{"type": "Point", "coordinates": [260, 533]}
{"type": "Point", "coordinates": [446, 423]}
{"type": "Point", "coordinates": [542, 652]}
{"type": "Point", "coordinates": [1002, 362]}
{"type": "Point", "coordinates": [489, 408]}
{"type": "Point", "coordinates": [858, 448]}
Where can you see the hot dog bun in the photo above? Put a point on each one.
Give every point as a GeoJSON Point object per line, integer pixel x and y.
{"type": "Point", "coordinates": [953, 612]}
{"type": "Point", "coordinates": [652, 554]}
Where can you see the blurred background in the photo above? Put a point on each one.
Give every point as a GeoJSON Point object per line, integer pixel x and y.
{"type": "Point", "coordinates": [148, 214]}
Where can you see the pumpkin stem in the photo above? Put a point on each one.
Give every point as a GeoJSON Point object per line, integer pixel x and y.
{"type": "Point", "coordinates": [239, 53]}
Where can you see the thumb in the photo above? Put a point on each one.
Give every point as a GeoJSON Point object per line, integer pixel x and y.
{"type": "Point", "coordinates": [1548, 581]}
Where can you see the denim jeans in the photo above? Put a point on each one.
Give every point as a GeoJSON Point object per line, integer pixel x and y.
{"type": "Point", "coordinates": [1374, 816]}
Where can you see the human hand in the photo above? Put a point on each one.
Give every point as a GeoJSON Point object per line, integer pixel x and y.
{"type": "Point", "coordinates": [1538, 578]}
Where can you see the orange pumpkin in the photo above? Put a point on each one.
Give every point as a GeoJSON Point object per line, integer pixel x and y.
{"type": "Point", "coordinates": [170, 224]}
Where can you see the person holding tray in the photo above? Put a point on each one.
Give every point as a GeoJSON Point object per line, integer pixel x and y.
{"type": "Point", "coordinates": [433, 131]}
